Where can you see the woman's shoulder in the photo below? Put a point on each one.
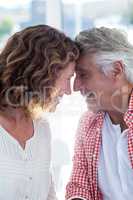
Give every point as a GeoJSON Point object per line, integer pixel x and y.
{"type": "Point", "coordinates": [42, 126]}
{"type": "Point", "coordinates": [42, 121]}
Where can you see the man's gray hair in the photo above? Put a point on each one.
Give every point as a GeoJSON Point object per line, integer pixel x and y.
{"type": "Point", "coordinates": [108, 45]}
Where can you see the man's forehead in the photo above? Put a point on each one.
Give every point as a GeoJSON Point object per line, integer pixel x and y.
{"type": "Point", "coordinates": [85, 62]}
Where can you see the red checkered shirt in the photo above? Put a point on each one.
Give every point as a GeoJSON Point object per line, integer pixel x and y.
{"type": "Point", "coordinates": [84, 178]}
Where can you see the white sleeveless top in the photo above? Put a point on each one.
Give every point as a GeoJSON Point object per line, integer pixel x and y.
{"type": "Point", "coordinates": [25, 174]}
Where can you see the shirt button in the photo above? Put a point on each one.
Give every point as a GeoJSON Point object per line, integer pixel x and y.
{"type": "Point", "coordinates": [25, 158]}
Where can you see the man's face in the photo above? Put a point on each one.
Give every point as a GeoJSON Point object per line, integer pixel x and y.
{"type": "Point", "coordinates": [94, 84]}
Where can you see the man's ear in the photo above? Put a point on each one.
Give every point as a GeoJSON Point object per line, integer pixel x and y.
{"type": "Point", "coordinates": [117, 71]}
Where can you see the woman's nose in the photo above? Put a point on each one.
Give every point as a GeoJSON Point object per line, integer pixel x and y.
{"type": "Point", "coordinates": [76, 85]}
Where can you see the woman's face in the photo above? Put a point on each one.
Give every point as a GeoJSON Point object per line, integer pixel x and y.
{"type": "Point", "coordinates": [63, 83]}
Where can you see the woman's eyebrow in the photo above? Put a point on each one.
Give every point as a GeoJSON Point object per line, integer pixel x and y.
{"type": "Point", "coordinates": [78, 68]}
{"type": "Point", "coordinates": [81, 69]}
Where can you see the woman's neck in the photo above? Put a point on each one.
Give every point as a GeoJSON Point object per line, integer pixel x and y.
{"type": "Point", "coordinates": [13, 113]}
{"type": "Point", "coordinates": [13, 117]}
{"type": "Point", "coordinates": [17, 124]}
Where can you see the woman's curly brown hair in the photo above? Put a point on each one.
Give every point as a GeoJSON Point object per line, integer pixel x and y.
{"type": "Point", "coordinates": [30, 62]}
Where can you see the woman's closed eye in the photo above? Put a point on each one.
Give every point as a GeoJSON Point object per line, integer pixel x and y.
{"type": "Point", "coordinates": [83, 75]}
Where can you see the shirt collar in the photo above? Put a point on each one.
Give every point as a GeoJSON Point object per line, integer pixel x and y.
{"type": "Point", "coordinates": [128, 117]}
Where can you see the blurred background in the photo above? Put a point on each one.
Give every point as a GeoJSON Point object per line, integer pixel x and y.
{"type": "Point", "coordinates": [70, 16]}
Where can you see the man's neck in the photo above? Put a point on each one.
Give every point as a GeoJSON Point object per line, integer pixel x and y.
{"type": "Point", "coordinates": [117, 117]}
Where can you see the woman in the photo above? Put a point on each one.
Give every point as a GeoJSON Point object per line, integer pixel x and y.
{"type": "Point", "coordinates": [35, 70]}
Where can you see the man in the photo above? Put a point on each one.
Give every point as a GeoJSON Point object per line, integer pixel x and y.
{"type": "Point", "coordinates": [103, 159]}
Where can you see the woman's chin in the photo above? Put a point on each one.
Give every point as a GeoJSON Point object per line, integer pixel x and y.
{"type": "Point", "coordinates": [53, 106]}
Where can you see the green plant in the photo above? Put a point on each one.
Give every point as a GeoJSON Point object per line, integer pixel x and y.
{"type": "Point", "coordinates": [6, 26]}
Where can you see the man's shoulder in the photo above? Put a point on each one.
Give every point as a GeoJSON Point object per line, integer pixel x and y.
{"type": "Point", "coordinates": [88, 117]}
{"type": "Point", "coordinates": [88, 121]}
